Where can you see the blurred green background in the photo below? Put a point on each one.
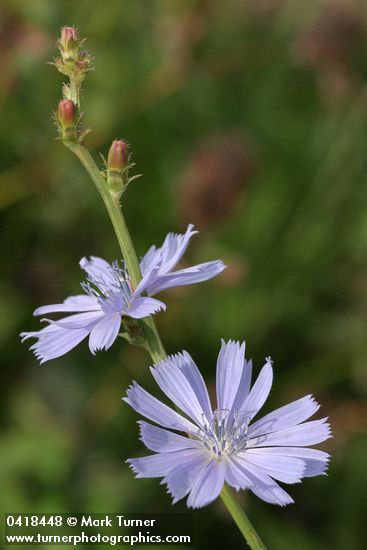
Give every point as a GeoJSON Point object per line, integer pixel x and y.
{"type": "Point", "coordinates": [249, 119]}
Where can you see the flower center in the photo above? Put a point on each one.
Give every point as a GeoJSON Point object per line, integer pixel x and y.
{"type": "Point", "coordinates": [113, 289]}
{"type": "Point", "coordinates": [226, 434]}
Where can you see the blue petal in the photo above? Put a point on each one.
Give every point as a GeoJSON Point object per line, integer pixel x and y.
{"type": "Point", "coordinates": [287, 469]}
{"type": "Point", "coordinates": [272, 493]}
{"type": "Point", "coordinates": [207, 485]}
{"type": "Point", "coordinates": [158, 465]}
{"type": "Point", "coordinates": [173, 248]}
{"type": "Point", "coordinates": [79, 320]}
{"type": "Point", "coordinates": [99, 270]}
{"type": "Point", "coordinates": [150, 407]}
{"type": "Point", "coordinates": [259, 392]}
{"type": "Point", "coordinates": [104, 333]}
{"type": "Point", "coordinates": [192, 374]}
{"type": "Point", "coordinates": [289, 415]}
{"type": "Point", "coordinates": [160, 440]}
{"type": "Point", "coordinates": [229, 372]}
{"type": "Point", "coordinates": [176, 386]}
{"type": "Point", "coordinates": [143, 306]}
{"type": "Point", "coordinates": [188, 276]}
{"type": "Point", "coordinates": [78, 303]}
{"type": "Point", "coordinates": [235, 476]}
{"type": "Point", "coordinates": [168, 255]}
{"type": "Point", "coordinates": [263, 485]}
{"type": "Point", "coordinates": [180, 480]}
{"type": "Point", "coordinates": [309, 433]}
{"type": "Point", "coordinates": [147, 279]}
{"type": "Point", "coordinates": [151, 260]}
{"type": "Point", "coordinates": [54, 341]}
{"type": "Point", "coordinates": [244, 385]}
{"type": "Point", "coordinates": [315, 461]}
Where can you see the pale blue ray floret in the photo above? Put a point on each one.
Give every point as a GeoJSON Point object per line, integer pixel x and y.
{"type": "Point", "coordinates": [224, 445]}
{"type": "Point", "coordinates": [109, 296]}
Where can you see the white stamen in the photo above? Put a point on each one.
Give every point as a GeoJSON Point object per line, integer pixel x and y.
{"type": "Point", "coordinates": [98, 287]}
{"type": "Point", "coordinates": [226, 433]}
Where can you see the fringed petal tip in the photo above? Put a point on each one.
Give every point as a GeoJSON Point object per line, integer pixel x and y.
{"type": "Point", "coordinates": [313, 401]}
{"type": "Point", "coordinates": [325, 424]}
{"type": "Point", "coordinates": [221, 266]}
{"type": "Point", "coordinates": [322, 470]}
{"type": "Point", "coordinates": [41, 358]}
{"type": "Point", "coordinates": [34, 348]}
{"type": "Point", "coordinates": [133, 468]}
{"type": "Point", "coordinates": [140, 423]}
{"type": "Point", "coordinates": [130, 389]}
{"type": "Point", "coordinates": [170, 493]}
{"type": "Point", "coordinates": [173, 357]}
{"type": "Point", "coordinates": [236, 343]}
{"type": "Point", "coordinates": [283, 504]}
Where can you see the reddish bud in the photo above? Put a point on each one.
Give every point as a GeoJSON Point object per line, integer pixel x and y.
{"type": "Point", "coordinates": [66, 114]}
{"type": "Point", "coordinates": [68, 44]}
{"type": "Point", "coordinates": [117, 156]}
{"type": "Point", "coordinates": [67, 33]}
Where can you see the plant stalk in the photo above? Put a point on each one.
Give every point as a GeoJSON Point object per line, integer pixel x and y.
{"type": "Point", "coordinates": [241, 520]}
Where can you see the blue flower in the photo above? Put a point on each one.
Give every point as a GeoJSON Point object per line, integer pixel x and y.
{"type": "Point", "coordinates": [224, 445]}
{"type": "Point", "coordinates": [97, 313]}
{"type": "Point", "coordinates": [109, 296]}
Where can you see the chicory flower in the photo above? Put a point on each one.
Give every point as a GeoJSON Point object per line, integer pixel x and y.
{"type": "Point", "coordinates": [97, 313]}
{"type": "Point", "coordinates": [211, 447]}
{"type": "Point", "coordinates": [109, 296]}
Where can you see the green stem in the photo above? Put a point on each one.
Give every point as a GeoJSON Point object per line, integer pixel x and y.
{"type": "Point", "coordinates": [241, 520]}
{"type": "Point", "coordinates": [75, 87]}
{"type": "Point", "coordinates": [154, 344]}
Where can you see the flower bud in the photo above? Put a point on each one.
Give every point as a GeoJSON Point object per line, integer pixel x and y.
{"type": "Point", "coordinates": [68, 44]}
{"type": "Point", "coordinates": [117, 156]}
{"type": "Point", "coordinates": [66, 114]}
